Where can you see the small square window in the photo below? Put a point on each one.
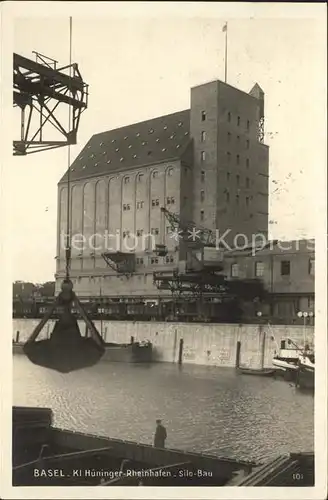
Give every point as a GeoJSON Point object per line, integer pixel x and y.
{"type": "Point", "coordinates": [311, 267]}
{"type": "Point", "coordinates": [285, 268]}
{"type": "Point", "coordinates": [247, 201]}
{"type": "Point", "coordinates": [247, 162]}
{"type": "Point", "coordinates": [140, 177]}
{"type": "Point", "coordinates": [202, 215]}
{"type": "Point", "coordinates": [229, 136]}
{"type": "Point", "coordinates": [227, 197]}
{"type": "Point", "coordinates": [229, 117]}
{"type": "Point", "coordinates": [247, 144]}
{"type": "Point", "coordinates": [259, 269]}
{"type": "Point", "coordinates": [202, 195]}
{"type": "Point", "coordinates": [247, 124]}
{"type": "Point", "coordinates": [238, 120]}
{"type": "Point", "coordinates": [247, 182]}
{"type": "Point", "coordinates": [234, 270]}
{"type": "Point", "coordinates": [203, 136]}
{"type": "Point", "coordinates": [237, 159]}
{"type": "Point", "coordinates": [202, 176]}
{"type": "Point", "coordinates": [237, 199]}
{"type": "Point", "coordinates": [126, 180]}
{"type": "Point", "coordinates": [203, 156]}
{"type": "Point", "coordinates": [228, 176]}
{"type": "Point", "coordinates": [203, 116]}
{"type": "Point", "coordinates": [237, 179]}
{"type": "Point", "coordinates": [155, 174]}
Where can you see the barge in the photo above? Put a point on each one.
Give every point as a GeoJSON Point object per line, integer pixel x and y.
{"type": "Point", "coordinates": [134, 352]}
{"type": "Point", "coordinates": [44, 455]}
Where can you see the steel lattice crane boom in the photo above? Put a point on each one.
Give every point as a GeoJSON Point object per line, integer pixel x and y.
{"type": "Point", "coordinates": [41, 92]}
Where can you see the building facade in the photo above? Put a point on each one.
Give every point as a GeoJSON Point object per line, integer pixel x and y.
{"type": "Point", "coordinates": [287, 269]}
{"type": "Point", "coordinates": [207, 164]}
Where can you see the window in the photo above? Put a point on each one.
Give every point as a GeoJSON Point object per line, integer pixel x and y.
{"type": "Point", "coordinates": [229, 137]}
{"type": "Point", "coordinates": [238, 120]}
{"type": "Point", "coordinates": [228, 176]}
{"type": "Point", "coordinates": [203, 116]}
{"type": "Point", "coordinates": [234, 270]}
{"type": "Point", "coordinates": [140, 205]}
{"type": "Point", "coordinates": [140, 177]}
{"type": "Point", "coordinates": [237, 179]}
{"type": "Point", "coordinates": [285, 268]}
{"type": "Point", "coordinates": [203, 136]}
{"type": "Point", "coordinates": [247, 162]}
{"type": "Point", "coordinates": [126, 207]}
{"type": "Point", "coordinates": [247, 124]}
{"type": "Point", "coordinates": [202, 195]}
{"type": "Point", "coordinates": [139, 260]}
{"type": "Point", "coordinates": [229, 117]}
{"type": "Point", "coordinates": [139, 232]}
{"type": "Point", "coordinates": [247, 182]}
{"type": "Point", "coordinates": [238, 138]}
{"type": "Point", "coordinates": [311, 267]}
{"type": "Point", "coordinates": [154, 260]}
{"type": "Point", "coordinates": [238, 159]}
{"type": "Point", "coordinates": [126, 234]}
{"type": "Point", "coordinates": [155, 174]}
{"type": "Point", "coordinates": [154, 231]}
{"type": "Point", "coordinates": [169, 259]}
{"type": "Point", "coordinates": [203, 156]}
{"type": "Point", "coordinates": [170, 200]}
{"type": "Point", "coordinates": [227, 197]}
{"type": "Point", "coordinates": [202, 215]}
{"type": "Point", "coordinates": [170, 172]}
{"type": "Point", "coordinates": [247, 144]}
{"type": "Point", "coordinates": [237, 199]}
{"type": "Point", "coordinates": [202, 176]}
{"type": "Point", "coordinates": [155, 202]}
{"type": "Point", "coordinates": [247, 201]}
{"type": "Point", "coordinates": [229, 156]}
{"type": "Point", "coordinates": [259, 269]}
{"type": "Point", "coordinates": [126, 180]}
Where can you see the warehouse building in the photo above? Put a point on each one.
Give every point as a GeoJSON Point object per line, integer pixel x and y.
{"type": "Point", "coordinates": [207, 164]}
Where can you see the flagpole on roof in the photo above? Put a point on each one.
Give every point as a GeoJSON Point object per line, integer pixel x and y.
{"type": "Point", "coordinates": [225, 30]}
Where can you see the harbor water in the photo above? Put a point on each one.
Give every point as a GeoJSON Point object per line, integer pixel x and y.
{"type": "Point", "coordinates": [205, 409]}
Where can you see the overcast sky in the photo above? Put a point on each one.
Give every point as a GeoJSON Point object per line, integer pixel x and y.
{"type": "Point", "coordinates": [143, 67]}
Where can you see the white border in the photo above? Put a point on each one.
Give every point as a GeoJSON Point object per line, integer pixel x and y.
{"type": "Point", "coordinates": [10, 11]}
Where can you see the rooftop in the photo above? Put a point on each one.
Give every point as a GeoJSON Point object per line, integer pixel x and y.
{"type": "Point", "coordinates": [146, 143]}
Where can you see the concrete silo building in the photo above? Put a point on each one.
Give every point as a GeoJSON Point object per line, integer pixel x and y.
{"type": "Point", "coordinates": [207, 164]}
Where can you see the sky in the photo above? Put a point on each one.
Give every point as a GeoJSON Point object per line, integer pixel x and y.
{"type": "Point", "coordinates": [139, 67]}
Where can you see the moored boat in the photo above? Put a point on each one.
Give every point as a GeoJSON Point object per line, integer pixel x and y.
{"type": "Point", "coordinates": [261, 372]}
{"type": "Point", "coordinates": [306, 371]}
{"type": "Point", "coordinates": [134, 352]}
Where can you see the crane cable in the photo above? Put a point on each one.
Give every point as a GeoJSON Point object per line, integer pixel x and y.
{"type": "Point", "coordinates": [68, 237]}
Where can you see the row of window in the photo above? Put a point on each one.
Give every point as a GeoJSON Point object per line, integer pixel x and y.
{"type": "Point", "coordinates": [154, 175]}
{"type": "Point", "coordinates": [139, 232]}
{"type": "Point", "coordinates": [247, 180]}
{"type": "Point", "coordinates": [229, 117]}
{"type": "Point", "coordinates": [169, 259]}
{"type": "Point", "coordinates": [203, 138]}
{"type": "Point", "coordinates": [170, 200]}
{"type": "Point", "coordinates": [203, 158]}
{"type": "Point", "coordinates": [285, 268]}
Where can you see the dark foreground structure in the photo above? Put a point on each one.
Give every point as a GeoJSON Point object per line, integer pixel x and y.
{"type": "Point", "coordinates": [47, 456]}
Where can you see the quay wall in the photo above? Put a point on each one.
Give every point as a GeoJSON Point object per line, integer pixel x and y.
{"type": "Point", "coordinates": [203, 344]}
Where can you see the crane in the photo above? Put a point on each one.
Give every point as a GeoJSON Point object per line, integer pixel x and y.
{"type": "Point", "coordinates": [35, 85]}
{"type": "Point", "coordinates": [40, 87]}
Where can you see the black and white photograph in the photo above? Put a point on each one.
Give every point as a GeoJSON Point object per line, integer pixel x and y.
{"type": "Point", "coordinates": [163, 193]}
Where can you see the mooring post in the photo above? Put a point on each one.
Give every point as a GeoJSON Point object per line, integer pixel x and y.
{"type": "Point", "coordinates": [238, 354]}
{"type": "Point", "coordinates": [17, 336]}
{"type": "Point", "coordinates": [180, 351]}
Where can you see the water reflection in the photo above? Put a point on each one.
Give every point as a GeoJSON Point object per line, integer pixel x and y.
{"type": "Point", "coordinates": [204, 409]}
